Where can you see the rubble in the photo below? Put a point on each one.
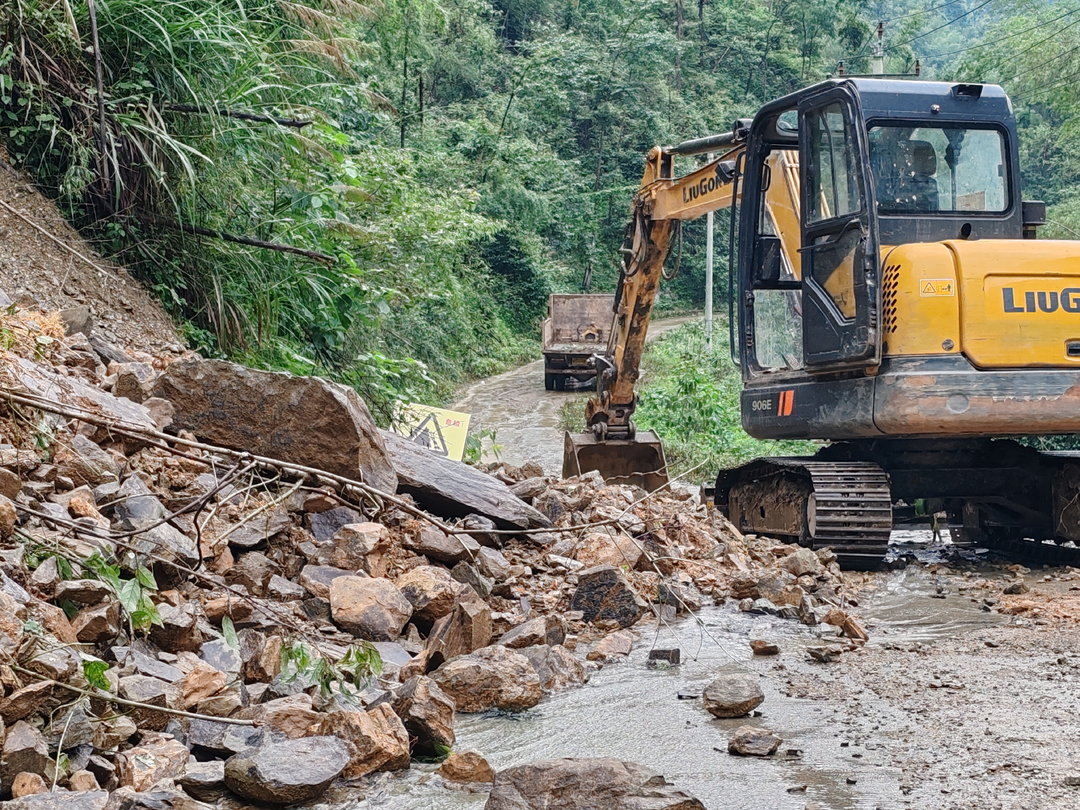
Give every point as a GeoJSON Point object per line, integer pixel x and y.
{"type": "Point", "coordinates": [219, 618]}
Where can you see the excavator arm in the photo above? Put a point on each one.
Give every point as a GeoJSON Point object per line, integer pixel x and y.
{"type": "Point", "coordinates": [611, 444]}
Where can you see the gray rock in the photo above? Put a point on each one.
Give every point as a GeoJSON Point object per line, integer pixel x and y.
{"type": "Point", "coordinates": [204, 781]}
{"type": "Point", "coordinates": [221, 656]}
{"type": "Point", "coordinates": [81, 591]}
{"type": "Point", "coordinates": [803, 561]}
{"type": "Point", "coordinates": [317, 579]}
{"type": "Point", "coordinates": [85, 463]}
{"type": "Point", "coordinates": [324, 525]}
{"type": "Point", "coordinates": [84, 800]}
{"type": "Point", "coordinates": [435, 544]}
{"type": "Point", "coordinates": [304, 420]}
{"type": "Point", "coordinates": [575, 784]}
{"type": "Point", "coordinates": [493, 564]}
{"type": "Point", "coordinates": [733, 694]}
{"type": "Point", "coordinates": [134, 381]}
{"type": "Point", "coordinates": [556, 667]}
{"type": "Point", "coordinates": [225, 738]}
{"type": "Point", "coordinates": [467, 573]}
{"type": "Point", "coordinates": [25, 750]}
{"type": "Point", "coordinates": [284, 590]}
{"type": "Point", "coordinates": [603, 594]}
{"type": "Point", "coordinates": [287, 772]}
{"type": "Point", "coordinates": [260, 529]}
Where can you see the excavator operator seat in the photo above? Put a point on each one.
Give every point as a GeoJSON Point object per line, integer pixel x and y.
{"type": "Point", "coordinates": [921, 186]}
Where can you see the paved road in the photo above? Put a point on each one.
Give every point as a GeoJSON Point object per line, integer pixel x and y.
{"type": "Point", "coordinates": [524, 415]}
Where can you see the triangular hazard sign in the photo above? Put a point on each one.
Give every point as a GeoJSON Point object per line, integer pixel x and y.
{"type": "Point", "coordinates": [428, 434]}
{"type": "Point", "coordinates": [928, 287]}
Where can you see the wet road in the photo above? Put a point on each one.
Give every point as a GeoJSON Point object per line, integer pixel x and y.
{"type": "Point", "coordinates": [524, 416]}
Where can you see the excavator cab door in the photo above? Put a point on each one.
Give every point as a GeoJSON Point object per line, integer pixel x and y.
{"type": "Point", "coordinates": [839, 244]}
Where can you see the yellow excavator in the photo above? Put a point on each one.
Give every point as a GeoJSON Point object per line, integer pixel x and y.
{"type": "Point", "coordinates": [884, 296]}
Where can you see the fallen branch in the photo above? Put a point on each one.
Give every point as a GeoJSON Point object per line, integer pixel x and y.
{"type": "Point", "coordinates": [262, 119]}
{"type": "Point", "coordinates": [134, 704]}
{"type": "Point", "coordinates": [196, 230]}
{"type": "Point", "coordinates": [37, 227]}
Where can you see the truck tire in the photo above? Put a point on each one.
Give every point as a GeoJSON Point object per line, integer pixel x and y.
{"type": "Point", "coordinates": [549, 380]}
{"type": "Point", "coordinates": [560, 382]}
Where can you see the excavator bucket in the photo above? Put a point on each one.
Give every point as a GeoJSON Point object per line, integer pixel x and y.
{"type": "Point", "coordinates": [639, 461]}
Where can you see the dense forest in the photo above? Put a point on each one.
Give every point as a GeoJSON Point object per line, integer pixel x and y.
{"type": "Point", "coordinates": [428, 170]}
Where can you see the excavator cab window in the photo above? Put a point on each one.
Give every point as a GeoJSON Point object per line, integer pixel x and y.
{"type": "Point", "coordinates": [938, 169]}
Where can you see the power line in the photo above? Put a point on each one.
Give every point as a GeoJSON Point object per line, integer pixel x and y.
{"type": "Point", "coordinates": [1048, 86]}
{"type": "Point", "coordinates": [945, 25]}
{"type": "Point", "coordinates": [917, 13]}
{"type": "Point", "coordinates": [1002, 39]}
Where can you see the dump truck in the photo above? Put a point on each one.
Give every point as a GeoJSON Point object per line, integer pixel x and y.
{"type": "Point", "coordinates": [577, 327]}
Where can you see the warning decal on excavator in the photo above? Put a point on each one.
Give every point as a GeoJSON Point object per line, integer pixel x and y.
{"type": "Point", "coordinates": [787, 402]}
{"type": "Point", "coordinates": [937, 286]}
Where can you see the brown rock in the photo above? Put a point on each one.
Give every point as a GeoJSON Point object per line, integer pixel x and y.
{"type": "Point", "coordinates": [430, 590]}
{"type": "Point", "coordinates": [576, 784]}
{"type": "Point", "coordinates": [853, 630]}
{"type": "Point", "coordinates": [465, 629]}
{"type": "Point", "coordinates": [25, 702]}
{"type": "Point", "coordinates": [85, 463]}
{"type": "Point", "coordinates": [253, 570]}
{"type": "Point", "coordinates": [291, 715]}
{"type": "Point", "coordinates": [803, 561]}
{"type": "Point", "coordinates": [11, 621]}
{"type": "Point", "coordinates": [25, 751]}
{"type": "Point", "coordinates": [369, 608]}
{"type": "Point", "coordinates": [751, 741]}
{"type": "Point", "coordinates": [316, 579]}
{"type": "Point", "coordinates": [98, 624]}
{"type": "Point", "coordinates": [10, 483]}
{"type": "Point", "coordinates": [467, 767]}
{"type": "Point", "coordinates": [261, 655]}
{"type": "Point", "coordinates": [733, 694]}
{"type": "Point", "coordinates": [612, 646]}
{"type": "Point", "coordinates": [303, 420]}
{"type": "Point", "coordinates": [428, 715]}
{"type": "Point", "coordinates": [556, 667]}
{"type": "Point", "coordinates": [28, 784]}
{"type": "Point", "coordinates": [134, 381]}
{"type": "Point", "coordinates": [201, 681]}
{"type": "Point", "coordinates": [145, 689]}
{"type": "Point", "coordinates": [547, 630]}
{"type": "Point", "coordinates": [8, 518]}
{"type": "Point", "coordinates": [599, 548]}
{"type": "Point", "coordinates": [361, 546]}
{"type": "Point", "coordinates": [154, 759]}
{"type": "Point", "coordinates": [179, 629]}
{"type": "Point", "coordinates": [376, 739]}
{"type": "Point", "coordinates": [490, 678]}
{"type": "Point", "coordinates": [603, 594]}
{"type": "Point", "coordinates": [764, 648]}
{"type": "Point", "coordinates": [54, 620]}
{"type": "Point", "coordinates": [82, 591]}
{"type": "Point", "coordinates": [83, 780]}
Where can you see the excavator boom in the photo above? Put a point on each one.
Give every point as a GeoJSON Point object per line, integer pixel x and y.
{"type": "Point", "coordinates": [611, 444]}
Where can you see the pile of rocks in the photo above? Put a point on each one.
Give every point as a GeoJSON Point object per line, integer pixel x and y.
{"type": "Point", "coordinates": [180, 622]}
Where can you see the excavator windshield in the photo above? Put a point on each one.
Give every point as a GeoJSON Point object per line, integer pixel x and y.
{"type": "Point", "coordinates": [938, 169]}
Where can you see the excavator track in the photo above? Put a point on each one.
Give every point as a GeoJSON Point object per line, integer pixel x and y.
{"type": "Point", "coordinates": [845, 506]}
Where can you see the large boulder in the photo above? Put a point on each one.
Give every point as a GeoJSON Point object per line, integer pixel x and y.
{"type": "Point", "coordinates": [369, 608]}
{"type": "Point", "coordinates": [357, 546]}
{"type": "Point", "coordinates": [464, 629]}
{"type": "Point", "coordinates": [733, 694]}
{"type": "Point", "coordinates": [556, 667]}
{"type": "Point", "coordinates": [83, 800]}
{"type": "Point", "coordinates": [491, 678]}
{"type": "Point", "coordinates": [428, 715]}
{"type": "Point", "coordinates": [571, 784]}
{"type": "Point", "coordinates": [430, 590]}
{"type": "Point", "coordinates": [377, 740]}
{"type": "Point", "coordinates": [303, 420]}
{"type": "Point", "coordinates": [436, 544]}
{"type": "Point", "coordinates": [603, 594]}
{"type": "Point", "coordinates": [541, 630]}
{"type": "Point", "coordinates": [287, 772]}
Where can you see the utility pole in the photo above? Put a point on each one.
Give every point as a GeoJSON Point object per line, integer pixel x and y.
{"type": "Point", "coordinates": [709, 270]}
{"type": "Point", "coordinates": [877, 53]}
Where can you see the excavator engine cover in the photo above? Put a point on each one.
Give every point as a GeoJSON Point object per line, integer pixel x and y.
{"type": "Point", "coordinates": [639, 461]}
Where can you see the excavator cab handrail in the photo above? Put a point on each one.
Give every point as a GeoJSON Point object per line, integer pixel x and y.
{"type": "Point", "coordinates": [740, 160]}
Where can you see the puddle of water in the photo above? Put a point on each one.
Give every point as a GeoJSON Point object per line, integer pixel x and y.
{"type": "Point", "coordinates": [906, 607]}
{"type": "Point", "coordinates": [632, 712]}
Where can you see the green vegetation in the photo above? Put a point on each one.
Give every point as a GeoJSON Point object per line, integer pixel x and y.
{"type": "Point", "coordinates": [691, 399]}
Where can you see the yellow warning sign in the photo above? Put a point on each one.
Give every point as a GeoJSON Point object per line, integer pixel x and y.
{"type": "Point", "coordinates": [937, 286]}
{"type": "Point", "coordinates": [437, 429]}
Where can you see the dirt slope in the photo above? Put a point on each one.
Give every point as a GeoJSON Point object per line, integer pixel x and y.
{"type": "Point", "coordinates": [35, 270]}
